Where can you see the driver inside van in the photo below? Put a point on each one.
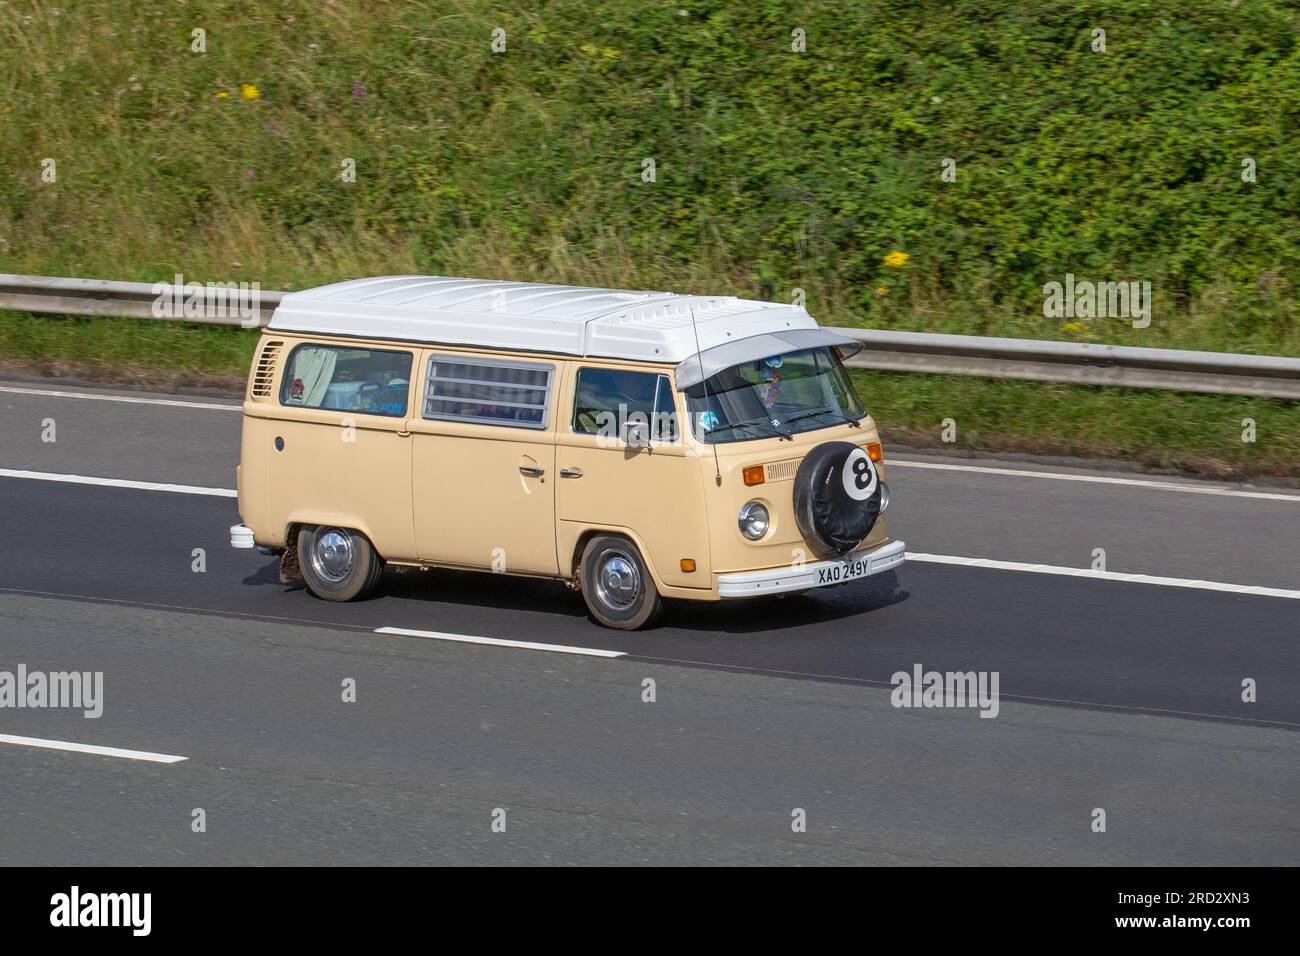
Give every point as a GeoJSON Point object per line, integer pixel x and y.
{"type": "Point", "coordinates": [603, 402]}
{"type": "Point", "coordinates": [598, 396]}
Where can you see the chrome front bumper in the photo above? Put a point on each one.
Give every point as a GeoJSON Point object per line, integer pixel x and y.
{"type": "Point", "coordinates": [816, 575]}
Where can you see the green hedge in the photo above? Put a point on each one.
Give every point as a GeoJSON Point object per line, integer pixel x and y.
{"type": "Point", "coordinates": [775, 169]}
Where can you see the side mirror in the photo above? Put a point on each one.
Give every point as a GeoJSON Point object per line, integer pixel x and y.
{"type": "Point", "coordinates": [636, 434]}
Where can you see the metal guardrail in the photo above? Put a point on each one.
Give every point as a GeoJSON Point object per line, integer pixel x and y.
{"type": "Point", "coordinates": [1078, 363]}
{"type": "Point", "coordinates": [60, 296]}
{"type": "Point", "coordinates": [1069, 362]}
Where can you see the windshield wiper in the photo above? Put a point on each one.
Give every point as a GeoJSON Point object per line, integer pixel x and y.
{"type": "Point", "coordinates": [752, 423]}
{"type": "Point", "coordinates": [855, 422]}
{"type": "Point", "coordinates": [825, 411]}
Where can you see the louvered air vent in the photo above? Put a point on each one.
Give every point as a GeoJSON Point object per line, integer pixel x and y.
{"type": "Point", "coordinates": [778, 470]}
{"type": "Point", "coordinates": [265, 371]}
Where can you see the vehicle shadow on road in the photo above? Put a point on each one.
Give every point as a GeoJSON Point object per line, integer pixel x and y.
{"type": "Point", "coordinates": [269, 573]}
{"type": "Point", "coordinates": [776, 614]}
{"type": "Point", "coordinates": [543, 596]}
{"type": "Point", "coordinates": [448, 586]}
{"type": "Point", "coordinates": [500, 591]}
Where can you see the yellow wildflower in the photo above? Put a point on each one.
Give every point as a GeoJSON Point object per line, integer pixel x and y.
{"type": "Point", "coordinates": [223, 95]}
{"type": "Point", "coordinates": [896, 260]}
{"type": "Point", "coordinates": [248, 91]}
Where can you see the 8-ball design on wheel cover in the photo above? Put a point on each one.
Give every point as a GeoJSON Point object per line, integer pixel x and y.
{"type": "Point", "coordinates": [837, 497]}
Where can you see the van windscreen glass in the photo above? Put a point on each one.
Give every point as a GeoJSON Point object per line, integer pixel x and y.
{"type": "Point", "coordinates": [779, 395]}
{"type": "Point", "coordinates": [332, 377]}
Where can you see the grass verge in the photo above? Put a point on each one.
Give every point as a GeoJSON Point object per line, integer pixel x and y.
{"type": "Point", "coordinates": [144, 354]}
{"type": "Point", "coordinates": [924, 166]}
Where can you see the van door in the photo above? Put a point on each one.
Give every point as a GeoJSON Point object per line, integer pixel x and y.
{"type": "Point", "coordinates": [655, 494]}
{"type": "Point", "coordinates": [338, 450]}
{"type": "Point", "coordinates": [483, 463]}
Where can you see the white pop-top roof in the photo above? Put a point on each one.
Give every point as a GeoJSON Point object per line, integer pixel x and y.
{"type": "Point", "coordinates": [532, 317]}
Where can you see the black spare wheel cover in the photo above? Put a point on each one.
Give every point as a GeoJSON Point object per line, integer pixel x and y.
{"type": "Point", "coordinates": [836, 497]}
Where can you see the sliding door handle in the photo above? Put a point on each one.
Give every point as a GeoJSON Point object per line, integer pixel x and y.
{"type": "Point", "coordinates": [570, 472]}
{"type": "Point", "coordinates": [531, 472]}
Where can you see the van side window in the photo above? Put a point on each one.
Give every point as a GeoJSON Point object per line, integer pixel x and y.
{"type": "Point", "coordinates": [488, 391]}
{"type": "Point", "coordinates": [370, 381]}
{"type": "Point", "coordinates": [607, 398]}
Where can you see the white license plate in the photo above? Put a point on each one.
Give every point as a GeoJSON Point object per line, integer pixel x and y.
{"type": "Point", "coordinates": [843, 571]}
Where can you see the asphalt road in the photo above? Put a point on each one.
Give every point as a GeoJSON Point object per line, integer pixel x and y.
{"type": "Point", "coordinates": [1114, 695]}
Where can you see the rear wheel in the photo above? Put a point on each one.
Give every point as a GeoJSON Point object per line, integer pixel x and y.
{"type": "Point", "coordinates": [338, 564]}
{"type": "Point", "coordinates": [617, 585]}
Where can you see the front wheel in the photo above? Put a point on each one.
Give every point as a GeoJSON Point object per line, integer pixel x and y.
{"type": "Point", "coordinates": [338, 564]}
{"type": "Point", "coordinates": [617, 586]}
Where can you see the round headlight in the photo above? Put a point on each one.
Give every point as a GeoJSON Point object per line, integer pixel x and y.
{"type": "Point", "coordinates": [884, 496]}
{"type": "Point", "coordinates": [754, 520]}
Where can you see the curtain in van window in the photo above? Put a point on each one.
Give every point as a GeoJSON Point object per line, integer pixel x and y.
{"type": "Point", "coordinates": [314, 367]}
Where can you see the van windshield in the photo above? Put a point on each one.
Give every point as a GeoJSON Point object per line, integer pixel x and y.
{"type": "Point", "coordinates": [779, 395]}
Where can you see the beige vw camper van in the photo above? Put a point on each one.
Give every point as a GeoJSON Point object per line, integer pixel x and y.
{"type": "Point", "coordinates": [636, 445]}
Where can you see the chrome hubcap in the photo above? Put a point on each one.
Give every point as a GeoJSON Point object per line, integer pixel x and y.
{"type": "Point", "coordinates": [618, 582]}
{"type": "Point", "coordinates": [331, 555]}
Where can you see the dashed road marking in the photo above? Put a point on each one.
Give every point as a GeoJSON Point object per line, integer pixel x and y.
{"type": "Point", "coordinates": [94, 749]}
{"type": "Point", "coordinates": [118, 483]}
{"type": "Point", "coordinates": [499, 642]}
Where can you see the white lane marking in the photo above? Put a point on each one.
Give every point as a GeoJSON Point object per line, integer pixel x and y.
{"type": "Point", "coordinates": [119, 483]}
{"type": "Point", "coordinates": [499, 642]}
{"type": "Point", "coordinates": [1098, 479]}
{"type": "Point", "coordinates": [1252, 589]}
{"type": "Point", "coordinates": [90, 749]}
{"type": "Point", "coordinates": [129, 399]}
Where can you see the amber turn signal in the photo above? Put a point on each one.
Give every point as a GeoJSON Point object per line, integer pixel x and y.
{"type": "Point", "coordinates": [688, 565]}
{"type": "Point", "coordinates": [754, 475]}
{"type": "Point", "coordinates": [874, 451]}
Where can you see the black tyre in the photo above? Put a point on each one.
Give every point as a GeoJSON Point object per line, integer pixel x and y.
{"type": "Point", "coordinates": [338, 564]}
{"type": "Point", "coordinates": [837, 498]}
{"type": "Point", "coordinates": [617, 585]}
